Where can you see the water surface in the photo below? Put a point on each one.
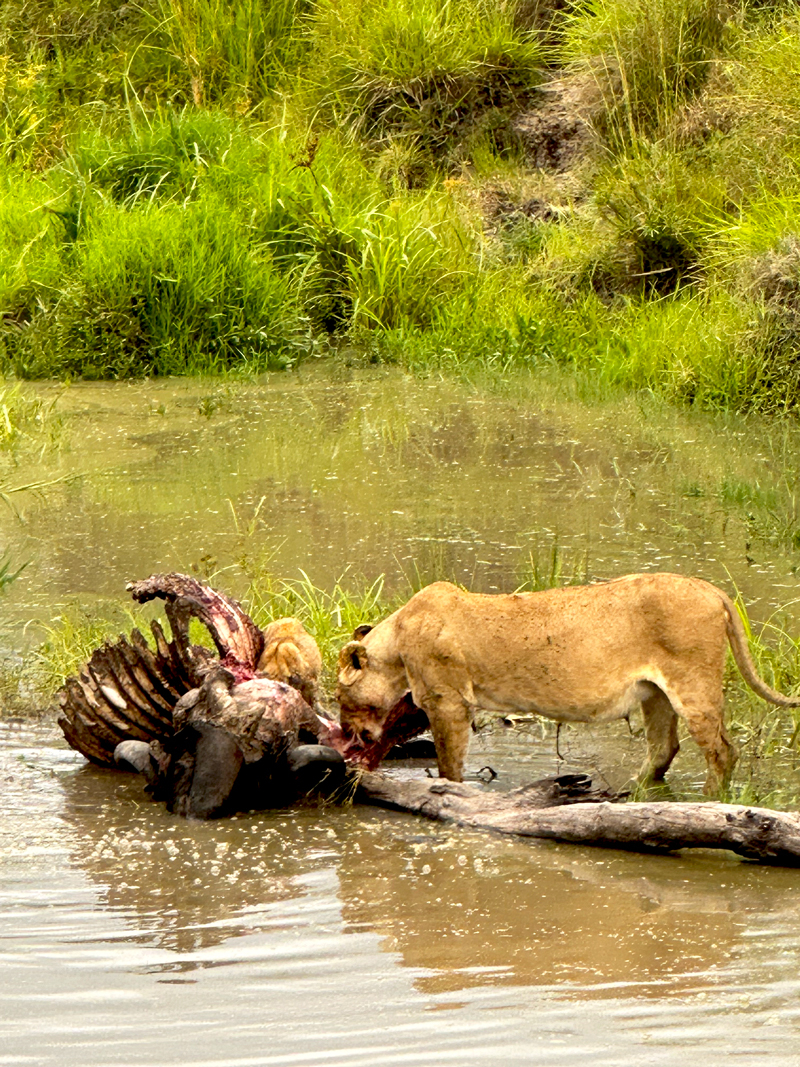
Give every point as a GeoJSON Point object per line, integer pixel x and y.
{"type": "Point", "coordinates": [334, 937]}
{"type": "Point", "coordinates": [364, 937]}
{"type": "Point", "coordinates": [374, 472]}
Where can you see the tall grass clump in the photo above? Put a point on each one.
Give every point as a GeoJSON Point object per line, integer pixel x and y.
{"type": "Point", "coordinates": [644, 58]}
{"type": "Point", "coordinates": [430, 76]}
{"type": "Point", "coordinates": [234, 51]}
{"type": "Point", "coordinates": [363, 260]}
{"type": "Point", "coordinates": [643, 234]}
{"type": "Point", "coordinates": [684, 348]}
{"type": "Point", "coordinates": [165, 290]}
{"type": "Point", "coordinates": [165, 158]}
{"type": "Point", "coordinates": [385, 268]}
{"type": "Point", "coordinates": [758, 257]}
{"type": "Point", "coordinates": [64, 64]}
{"type": "Point", "coordinates": [748, 120]}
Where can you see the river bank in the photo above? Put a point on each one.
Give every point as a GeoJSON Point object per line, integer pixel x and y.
{"type": "Point", "coordinates": [608, 188]}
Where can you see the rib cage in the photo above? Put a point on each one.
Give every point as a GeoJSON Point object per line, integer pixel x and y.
{"type": "Point", "coordinates": [234, 633]}
{"type": "Point", "coordinates": [128, 690]}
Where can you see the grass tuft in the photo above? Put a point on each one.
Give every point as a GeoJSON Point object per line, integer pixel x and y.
{"type": "Point", "coordinates": [431, 76]}
{"type": "Point", "coordinates": [645, 59]}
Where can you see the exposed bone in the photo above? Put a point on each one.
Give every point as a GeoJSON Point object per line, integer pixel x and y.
{"type": "Point", "coordinates": [112, 701]}
{"type": "Point", "coordinates": [234, 633]}
{"type": "Point", "coordinates": [128, 690]}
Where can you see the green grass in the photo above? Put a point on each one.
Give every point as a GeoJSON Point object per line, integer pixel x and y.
{"type": "Point", "coordinates": [192, 187]}
{"type": "Point", "coordinates": [232, 51]}
{"type": "Point", "coordinates": [430, 75]}
{"type": "Point", "coordinates": [644, 58]}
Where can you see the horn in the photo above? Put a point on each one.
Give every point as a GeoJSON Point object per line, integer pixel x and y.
{"type": "Point", "coordinates": [354, 656]}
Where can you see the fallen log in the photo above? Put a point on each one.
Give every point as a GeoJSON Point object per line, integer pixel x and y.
{"type": "Point", "coordinates": [569, 810]}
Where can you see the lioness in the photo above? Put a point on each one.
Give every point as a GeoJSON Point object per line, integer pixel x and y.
{"type": "Point", "coordinates": [291, 655]}
{"type": "Point", "coordinates": [578, 654]}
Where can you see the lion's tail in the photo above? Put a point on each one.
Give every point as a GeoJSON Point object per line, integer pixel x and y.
{"type": "Point", "coordinates": [737, 637]}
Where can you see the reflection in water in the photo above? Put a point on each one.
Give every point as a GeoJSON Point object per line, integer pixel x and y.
{"type": "Point", "coordinates": [473, 910]}
{"type": "Point", "coordinates": [463, 909]}
{"type": "Point", "coordinates": [129, 936]}
{"type": "Point", "coordinates": [185, 885]}
{"type": "Point", "coordinates": [381, 473]}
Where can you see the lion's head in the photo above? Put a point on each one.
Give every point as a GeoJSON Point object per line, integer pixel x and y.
{"type": "Point", "coordinates": [377, 711]}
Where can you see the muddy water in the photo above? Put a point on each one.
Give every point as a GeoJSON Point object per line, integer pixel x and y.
{"type": "Point", "coordinates": [359, 937]}
{"type": "Point", "coordinates": [375, 473]}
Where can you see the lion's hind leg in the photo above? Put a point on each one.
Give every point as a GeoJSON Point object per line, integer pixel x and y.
{"type": "Point", "coordinates": [700, 704]}
{"type": "Point", "coordinates": [706, 725]}
{"type": "Point", "coordinates": [661, 734]}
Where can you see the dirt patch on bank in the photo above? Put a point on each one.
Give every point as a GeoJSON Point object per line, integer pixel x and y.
{"type": "Point", "coordinates": [556, 133]}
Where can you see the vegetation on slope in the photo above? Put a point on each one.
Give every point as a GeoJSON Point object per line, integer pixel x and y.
{"type": "Point", "coordinates": [607, 185]}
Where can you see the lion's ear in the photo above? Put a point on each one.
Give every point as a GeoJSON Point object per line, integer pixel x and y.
{"type": "Point", "coordinates": [353, 657]}
{"type": "Point", "coordinates": [361, 631]}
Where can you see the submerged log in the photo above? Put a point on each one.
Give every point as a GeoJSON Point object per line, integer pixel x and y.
{"type": "Point", "coordinates": [567, 809]}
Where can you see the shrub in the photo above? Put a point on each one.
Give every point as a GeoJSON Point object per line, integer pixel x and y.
{"type": "Point", "coordinates": [158, 291]}
{"type": "Point", "coordinates": [419, 70]}
{"type": "Point", "coordinates": [645, 58]}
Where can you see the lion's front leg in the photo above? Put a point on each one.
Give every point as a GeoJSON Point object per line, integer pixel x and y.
{"type": "Point", "coordinates": [450, 718]}
{"type": "Point", "coordinates": [441, 686]}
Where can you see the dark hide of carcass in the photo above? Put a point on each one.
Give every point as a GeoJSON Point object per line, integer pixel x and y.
{"type": "Point", "coordinates": [237, 747]}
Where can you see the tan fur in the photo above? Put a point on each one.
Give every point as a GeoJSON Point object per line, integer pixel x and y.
{"type": "Point", "coordinates": [291, 655]}
{"type": "Point", "coordinates": [577, 654]}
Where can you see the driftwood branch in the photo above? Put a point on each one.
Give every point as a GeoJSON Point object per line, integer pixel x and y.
{"type": "Point", "coordinates": [581, 816]}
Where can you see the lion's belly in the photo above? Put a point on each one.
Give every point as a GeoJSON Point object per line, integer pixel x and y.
{"type": "Point", "coordinates": [573, 704]}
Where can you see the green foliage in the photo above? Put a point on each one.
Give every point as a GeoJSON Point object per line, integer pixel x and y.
{"type": "Point", "coordinates": [760, 258]}
{"type": "Point", "coordinates": [553, 571]}
{"type": "Point", "coordinates": [235, 51]}
{"type": "Point", "coordinates": [329, 616]}
{"type": "Point", "coordinates": [645, 58]}
{"type": "Point", "coordinates": [426, 73]}
{"type": "Point", "coordinates": [160, 160]}
{"type": "Point", "coordinates": [24, 418]}
{"type": "Point", "coordinates": [158, 291]}
{"type": "Point", "coordinates": [7, 574]}
{"type": "Point", "coordinates": [386, 267]}
{"type": "Point", "coordinates": [187, 185]}
{"type": "Point", "coordinates": [68, 641]}
{"type": "Point", "coordinates": [748, 120]}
